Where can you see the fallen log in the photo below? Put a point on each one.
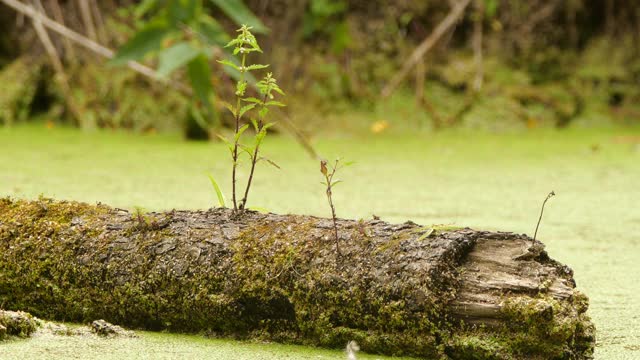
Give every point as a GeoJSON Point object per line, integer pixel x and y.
{"type": "Point", "coordinates": [398, 289]}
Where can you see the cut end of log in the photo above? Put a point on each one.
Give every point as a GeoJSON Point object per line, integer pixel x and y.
{"type": "Point", "coordinates": [399, 289]}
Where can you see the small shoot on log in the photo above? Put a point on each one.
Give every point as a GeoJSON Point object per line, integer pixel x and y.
{"type": "Point", "coordinates": [243, 45]}
{"type": "Point", "coordinates": [551, 194]}
{"type": "Point", "coordinates": [330, 183]}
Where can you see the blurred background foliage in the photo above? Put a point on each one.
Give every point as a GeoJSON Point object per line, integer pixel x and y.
{"type": "Point", "coordinates": [539, 63]}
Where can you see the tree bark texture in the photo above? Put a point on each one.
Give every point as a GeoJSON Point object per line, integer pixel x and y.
{"type": "Point", "coordinates": [400, 289]}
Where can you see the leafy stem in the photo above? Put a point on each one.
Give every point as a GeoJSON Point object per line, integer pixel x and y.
{"type": "Point", "coordinates": [244, 44]}
{"type": "Point", "coordinates": [237, 129]}
{"type": "Point", "coordinates": [266, 87]}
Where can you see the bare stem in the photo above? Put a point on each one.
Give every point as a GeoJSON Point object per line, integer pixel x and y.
{"type": "Point", "coordinates": [329, 179]}
{"type": "Point", "coordinates": [551, 194]}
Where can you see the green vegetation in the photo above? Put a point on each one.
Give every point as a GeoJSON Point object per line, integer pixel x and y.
{"type": "Point", "coordinates": [465, 139]}
{"type": "Point", "coordinates": [167, 347]}
{"type": "Point", "coordinates": [428, 184]}
{"type": "Point", "coordinates": [243, 45]}
{"type": "Point", "coordinates": [578, 66]}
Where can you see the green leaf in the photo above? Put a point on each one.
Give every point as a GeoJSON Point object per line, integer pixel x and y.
{"type": "Point", "coordinates": [175, 57]}
{"type": "Point", "coordinates": [246, 108]}
{"type": "Point", "coordinates": [336, 183]}
{"type": "Point", "coordinates": [263, 112]}
{"type": "Point", "coordinates": [230, 107]}
{"type": "Point", "coordinates": [271, 163]}
{"type": "Point", "coordinates": [199, 74]}
{"type": "Point", "coordinates": [230, 64]}
{"type": "Point", "coordinates": [275, 103]}
{"type": "Point", "coordinates": [240, 14]}
{"type": "Point", "coordinates": [256, 67]}
{"type": "Point", "coordinates": [219, 193]}
{"type": "Point", "coordinates": [240, 131]}
{"type": "Point", "coordinates": [234, 73]}
{"type": "Point", "coordinates": [146, 40]}
{"type": "Point", "coordinates": [183, 11]}
{"type": "Point", "coordinates": [241, 87]}
{"type": "Point", "coordinates": [426, 234]}
{"type": "Point", "coordinates": [278, 90]}
{"type": "Point", "coordinates": [254, 122]}
{"type": "Point", "coordinates": [261, 135]}
{"type": "Point", "coordinates": [267, 126]}
{"type": "Point", "coordinates": [252, 100]}
{"type": "Point", "coordinates": [145, 7]}
{"type": "Point", "coordinates": [248, 149]}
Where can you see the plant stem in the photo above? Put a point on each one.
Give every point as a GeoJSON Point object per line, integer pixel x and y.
{"type": "Point", "coordinates": [254, 159]}
{"type": "Point", "coordinates": [329, 179]}
{"type": "Point", "coordinates": [551, 194]}
{"type": "Point", "coordinates": [235, 143]}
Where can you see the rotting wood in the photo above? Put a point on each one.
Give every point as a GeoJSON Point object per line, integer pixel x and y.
{"type": "Point", "coordinates": [399, 289]}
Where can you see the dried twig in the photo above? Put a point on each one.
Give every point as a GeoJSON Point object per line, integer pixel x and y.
{"type": "Point", "coordinates": [87, 18]}
{"type": "Point", "coordinates": [328, 176]}
{"type": "Point", "coordinates": [551, 194]}
{"type": "Point", "coordinates": [57, 14]}
{"type": "Point", "coordinates": [57, 65]}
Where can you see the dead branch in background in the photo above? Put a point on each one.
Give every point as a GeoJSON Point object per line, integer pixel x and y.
{"type": "Point", "coordinates": [87, 19]}
{"type": "Point", "coordinates": [61, 76]}
{"type": "Point", "coordinates": [99, 22]}
{"type": "Point", "coordinates": [59, 17]}
{"type": "Point", "coordinates": [426, 45]}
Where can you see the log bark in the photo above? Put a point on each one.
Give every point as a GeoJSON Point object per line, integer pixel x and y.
{"type": "Point", "coordinates": [400, 289]}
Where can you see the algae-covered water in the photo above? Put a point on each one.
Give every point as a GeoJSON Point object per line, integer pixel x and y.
{"type": "Point", "coordinates": [486, 181]}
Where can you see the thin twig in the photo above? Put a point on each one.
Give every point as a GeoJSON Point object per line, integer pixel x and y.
{"type": "Point", "coordinates": [551, 194]}
{"type": "Point", "coordinates": [329, 179]}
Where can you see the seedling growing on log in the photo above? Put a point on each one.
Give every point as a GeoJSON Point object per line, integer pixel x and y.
{"type": "Point", "coordinates": [330, 183]}
{"type": "Point", "coordinates": [551, 194]}
{"type": "Point", "coordinates": [243, 45]}
{"type": "Point", "coordinates": [266, 88]}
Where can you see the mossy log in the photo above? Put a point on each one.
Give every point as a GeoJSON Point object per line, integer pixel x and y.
{"type": "Point", "coordinates": [397, 289]}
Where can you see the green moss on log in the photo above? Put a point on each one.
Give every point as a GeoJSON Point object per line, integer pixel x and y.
{"type": "Point", "coordinates": [17, 324]}
{"type": "Point", "coordinates": [264, 277]}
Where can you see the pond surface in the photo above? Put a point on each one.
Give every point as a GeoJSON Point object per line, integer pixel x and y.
{"type": "Point", "coordinates": [484, 181]}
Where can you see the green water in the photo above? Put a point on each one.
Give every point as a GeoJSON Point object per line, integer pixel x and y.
{"type": "Point", "coordinates": [486, 181]}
